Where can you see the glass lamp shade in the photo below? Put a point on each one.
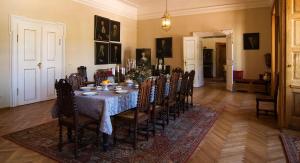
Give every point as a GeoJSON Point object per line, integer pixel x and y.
{"type": "Point", "coordinates": [166, 22]}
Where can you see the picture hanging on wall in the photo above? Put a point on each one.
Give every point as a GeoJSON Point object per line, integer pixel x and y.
{"type": "Point", "coordinates": [143, 57]}
{"type": "Point", "coordinates": [101, 53]}
{"type": "Point", "coordinates": [251, 41]}
{"type": "Point", "coordinates": [164, 47]}
{"type": "Point", "coordinates": [115, 31]}
{"type": "Point", "coordinates": [101, 32]}
{"type": "Point", "coordinates": [115, 53]}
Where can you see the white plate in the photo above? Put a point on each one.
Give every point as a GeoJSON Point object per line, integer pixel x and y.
{"type": "Point", "coordinates": [122, 91]}
{"type": "Point", "coordinates": [86, 88]}
{"type": "Point", "coordinates": [89, 93]}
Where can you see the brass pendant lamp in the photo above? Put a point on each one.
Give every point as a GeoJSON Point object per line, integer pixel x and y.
{"type": "Point", "coordinates": [166, 19]}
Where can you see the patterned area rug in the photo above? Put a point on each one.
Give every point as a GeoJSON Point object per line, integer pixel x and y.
{"type": "Point", "coordinates": [291, 145]}
{"type": "Point", "coordinates": [175, 144]}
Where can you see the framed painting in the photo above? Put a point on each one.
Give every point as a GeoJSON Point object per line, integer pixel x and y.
{"type": "Point", "coordinates": [101, 32]}
{"type": "Point", "coordinates": [101, 53]}
{"type": "Point", "coordinates": [115, 53]}
{"type": "Point", "coordinates": [115, 31]}
{"type": "Point", "coordinates": [143, 57]}
{"type": "Point", "coordinates": [251, 41]}
{"type": "Point", "coordinates": [164, 47]}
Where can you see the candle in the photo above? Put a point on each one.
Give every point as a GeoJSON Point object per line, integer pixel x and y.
{"type": "Point", "coordinates": [113, 71]}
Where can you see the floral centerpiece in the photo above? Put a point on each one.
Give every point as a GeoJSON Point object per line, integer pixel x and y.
{"type": "Point", "coordinates": [139, 74]}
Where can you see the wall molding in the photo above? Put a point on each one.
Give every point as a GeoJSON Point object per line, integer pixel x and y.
{"type": "Point", "coordinates": [116, 7]}
{"type": "Point", "coordinates": [130, 10]}
{"type": "Point", "coordinates": [208, 9]}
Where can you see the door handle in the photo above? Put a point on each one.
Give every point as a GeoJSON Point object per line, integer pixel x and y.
{"type": "Point", "coordinates": [289, 65]}
{"type": "Point", "coordinates": [39, 65]}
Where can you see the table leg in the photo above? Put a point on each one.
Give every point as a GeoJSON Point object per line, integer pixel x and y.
{"type": "Point", "coordinates": [105, 142]}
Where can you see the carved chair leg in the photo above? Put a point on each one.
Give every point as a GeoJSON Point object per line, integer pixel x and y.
{"type": "Point", "coordinates": [69, 133]}
{"type": "Point", "coordinates": [168, 115]}
{"type": "Point", "coordinates": [60, 139]}
{"type": "Point", "coordinates": [154, 124]}
{"type": "Point", "coordinates": [178, 106]}
{"type": "Point", "coordinates": [192, 100]}
{"type": "Point", "coordinates": [97, 134]}
{"type": "Point", "coordinates": [76, 143]}
{"type": "Point", "coordinates": [115, 132]}
{"type": "Point", "coordinates": [147, 130]}
{"type": "Point", "coordinates": [135, 136]}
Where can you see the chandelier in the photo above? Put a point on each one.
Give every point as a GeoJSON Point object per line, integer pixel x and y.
{"type": "Point", "coordinates": [166, 19]}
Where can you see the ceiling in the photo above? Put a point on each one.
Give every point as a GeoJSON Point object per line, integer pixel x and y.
{"type": "Point", "coordinates": [154, 8]}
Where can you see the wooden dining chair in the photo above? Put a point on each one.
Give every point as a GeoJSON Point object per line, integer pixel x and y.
{"type": "Point", "coordinates": [183, 92]}
{"type": "Point", "coordinates": [76, 81]}
{"type": "Point", "coordinates": [69, 117]}
{"type": "Point", "coordinates": [270, 99]}
{"type": "Point", "coordinates": [136, 116]}
{"type": "Point", "coordinates": [159, 110]}
{"type": "Point", "coordinates": [178, 70]}
{"type": "Point", "coordinates": [82, 72]}
{"type": "Point", "coordinates": [171, 99]}
{"type": "Point", "coordinates": [190, 87]}
{"type": "Point", "coordinates": [99, 76]}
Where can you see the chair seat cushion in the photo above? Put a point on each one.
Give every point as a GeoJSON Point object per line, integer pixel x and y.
{"type": "Point", "coordinates": [264, 98]}
{"type": "Point", "coordinates": [129, 115]}
{"type": "Point", "coordinates": [158, 108]}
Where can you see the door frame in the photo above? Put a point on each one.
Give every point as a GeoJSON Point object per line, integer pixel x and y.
{"type": "Point", "coordinates": [13, 36]}
{"type": "Point", "coordinates": [228, 33]}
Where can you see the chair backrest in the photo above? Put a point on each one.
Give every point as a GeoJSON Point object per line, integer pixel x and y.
{"type": "Point", "coordinates": [76, 81]}
{"type": "Point", "coordinates": [82, 72]}
{"type": "Point", "coordinates": [276, 87]}
{"type": "Point", "coordinates": [173, 86]}
{"type": "Point", "coordinates": [184, 84]}
{"type": "Point", "coordinates": [99, 76]}
{"type": "Point", "coordinates": [160, 89]}
{"type": "Point", "coordinates": [178, 70]}
{"type": "Point", "coordinates": [144, 96]}
{"type": "Point", "coordinates": [191, 81]}
{"type": "Point", "coordinates": [65, 98]}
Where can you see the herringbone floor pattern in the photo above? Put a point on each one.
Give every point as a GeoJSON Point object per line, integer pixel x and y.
{"type": "Point", "coordinates": [237, 136]}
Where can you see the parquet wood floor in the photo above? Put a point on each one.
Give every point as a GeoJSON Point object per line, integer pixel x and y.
{"type": "Point", "coordinates": [237, 136]}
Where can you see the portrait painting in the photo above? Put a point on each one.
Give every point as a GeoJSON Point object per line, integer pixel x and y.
{"type": "Point", "coordinates": [115, 53]}
{"type": "Point", "coordinates": [101, 53]}
{"type": "Point", "coordinates": [101, 29]}
{"type": "Point", "coordinates": [251, 41]}
{"type": "Point", "coordinates": [114, 31]}
{"type": "Point", "coordinates": [143, 57]}
{"type": "Point", "coordinates": [164, 47]}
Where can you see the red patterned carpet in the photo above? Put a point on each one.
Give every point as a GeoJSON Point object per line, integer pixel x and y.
{"type": "Point", "coordinates": [175, 144]}
{"type": "Point", "coordinates": [291, 145]}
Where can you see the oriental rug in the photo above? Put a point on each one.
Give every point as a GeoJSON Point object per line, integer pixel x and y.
{"type": "Point", "coordinates": [291, 144]}
{"type": "Point", "coordinates": [174, 144]}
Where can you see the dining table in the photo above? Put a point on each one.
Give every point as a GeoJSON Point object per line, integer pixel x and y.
{"type": "Point", "coordinates": [102, 105]}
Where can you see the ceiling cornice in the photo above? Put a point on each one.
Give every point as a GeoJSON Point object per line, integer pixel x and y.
{"type": "Point", "coordinates": [209, 9]}
{"type": "Point", "coordinates": [116, 7]}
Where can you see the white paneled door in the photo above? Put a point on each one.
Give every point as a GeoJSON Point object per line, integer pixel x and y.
{"type": "Point", "coordinates": [193, 60]}
{"type": "Point", "coordinates": [39, 58]}
{"type": "Point", "coordinates": [51, 64]}
{"type": "Point", "coordinates": [29, 55]}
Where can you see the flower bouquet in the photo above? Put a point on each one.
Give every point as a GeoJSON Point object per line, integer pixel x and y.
{"type": "Point", "coordinates": [139, 74]}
